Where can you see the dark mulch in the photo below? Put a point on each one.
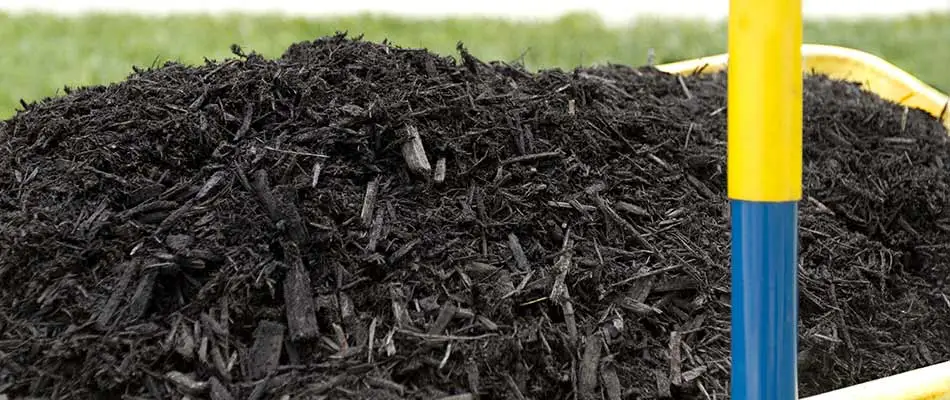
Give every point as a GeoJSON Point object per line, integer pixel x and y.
{"type": "Point", "coordinates": [256, 228]}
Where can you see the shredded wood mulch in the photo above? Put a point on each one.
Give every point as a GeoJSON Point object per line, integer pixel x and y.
{"type": "Point", "coordinates": [355, 220]}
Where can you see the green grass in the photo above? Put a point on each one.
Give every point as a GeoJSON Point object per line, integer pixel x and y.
{"type": "Point", "coordinates": [39, 54]}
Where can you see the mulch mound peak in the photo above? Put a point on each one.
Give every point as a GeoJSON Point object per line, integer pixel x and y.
{"type": "Point", "coordinates": [356, 220]}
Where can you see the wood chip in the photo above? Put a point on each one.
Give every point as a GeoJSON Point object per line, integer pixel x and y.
{"type": "Point", "coordinates": [694, 373]}
{"type": "Point", "coordinates": [371, 342]}
{"type": "Point", "coordinates": [203, 350]}
{"type": "Point", "coordinates": [179, 242]}
{"type": "Point", "coordinates": [487, 323]}
{"type": "Point", "coordinates": [185, 343]}
{"type": "Point", "coordinates": [663, 388]}
{"type": "Point", "coordinates": [513, 388]}
{"type": "Point", "coordinates": [521, 261]}
{"type": "Point", "coordinates": [219, 391]}
{"type": "Point", "coordinates": [398, 300]}
{"type": "Point", "coordinates": [843, 328]}
{"type": "Point", "coordinates": [464, 396]}
{"type": "Point", "coordinates": [104, 321]}
{"type": "Point", "coordinates": [559, 290]}
{"type": "Point", "coordinates": [246, 122]}
{"type": "Point", "coordinates": [259, 389]}
{"type": "Point", "coordinates": [404, 250]}
{"type": "Point", "coordinates": [388, 344]}
{"type": "Point", "coordinates": [632, 209]}
{"type": "Point", "coordinates": [587, 379]}
{"type": "Point", "coordinates": [608, 374]}
{"type": "Point", "coordinates": [446, 313]}
{"type": "Point", "coordinates": [324, 386]}
{"type": "Point", "coordinates": [464, 313]}
{"type": "Point", "coordinates": [640, 289]}
{"type": "Point", "coordinates": [186, 383]}
{"type": "Point", "coordinates": [211, 184]}
{"type": "Point", "coordinates": [414, 153]}
{"type": "Point", "coordinates": [375, 233]}
{"type": "Point", "coordinates": [676, 360]}
{"type": "Point", "coordinates": [262, 190]}
{"type": "Point", "coordinates": [142, 296]}
{"type": "Point", "coordinates": [532, 157]}
{"type": "Point", "coordinates": [219, 364]}
{"type": "Point", "coordinates": [264, 355]}
{"type": "Point", "coordinates": [211, 324]}
{"type": "Point", "coordinates": [175, 217]}
{"type": "Point", "coordinates": [145, 193]}
{"type": "Point", "coordinates": [385, 384]}
{"type": "Point", "coordinates": [439, 171]}
{"type": "Point", "coordinates": [639, 308]}
{"type": "Point", "coordinates": [627, 226]}
{"type": "Point", "coordinates": [701, 187]}
{"type": "Point", "coordinates": [471, 373]}
{"type": "Point", "coordinates": [685, 88]}
{"type": "Point", "coordinates": [298, 297]}
{"type": "Point", "coordinates": [91, 226]}
{"type": "Point", "coordinates": [369, 202]}
{"type": "Point", "coordinates": [315, 174]}
{"type": "Point", "coordinates": [572, 205]}
{"type": "Point", "coordinates": [647, 274]}
{"type": "Point", "coordinates": [290, 215]}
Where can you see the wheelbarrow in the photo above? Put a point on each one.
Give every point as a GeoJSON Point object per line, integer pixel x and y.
{"type": "Point", "coordinates": [875, 75]}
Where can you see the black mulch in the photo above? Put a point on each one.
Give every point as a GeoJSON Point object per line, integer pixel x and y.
{"type": "Point", "coordinates": [356, 220]}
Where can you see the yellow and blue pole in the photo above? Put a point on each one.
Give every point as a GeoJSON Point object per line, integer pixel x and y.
{"type": "Point", "coordinates": [764, 167]}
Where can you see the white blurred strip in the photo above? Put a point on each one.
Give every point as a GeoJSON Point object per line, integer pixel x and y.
{"type": "Point", "coordinates": [612, 11]}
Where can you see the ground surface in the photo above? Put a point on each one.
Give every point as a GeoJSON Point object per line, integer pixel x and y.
{"type": "Point", "coordinates": [43, 53]}
{"type": "Point", "coordinates": [255, 228]}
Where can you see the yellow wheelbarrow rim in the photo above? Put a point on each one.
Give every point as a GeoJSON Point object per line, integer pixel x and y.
{"type": "Point", "coordinates": [875, 74]}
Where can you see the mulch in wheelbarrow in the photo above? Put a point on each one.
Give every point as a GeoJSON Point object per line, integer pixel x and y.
{"type": "Point", "coordinates": [356, 220]}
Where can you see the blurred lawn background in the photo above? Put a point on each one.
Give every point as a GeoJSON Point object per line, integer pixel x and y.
{"type": "Point", "coordinates": [39, 54]}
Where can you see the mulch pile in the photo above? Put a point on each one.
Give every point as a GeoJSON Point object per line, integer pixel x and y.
{"type": "Point", "coordinates": [356, 220]}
